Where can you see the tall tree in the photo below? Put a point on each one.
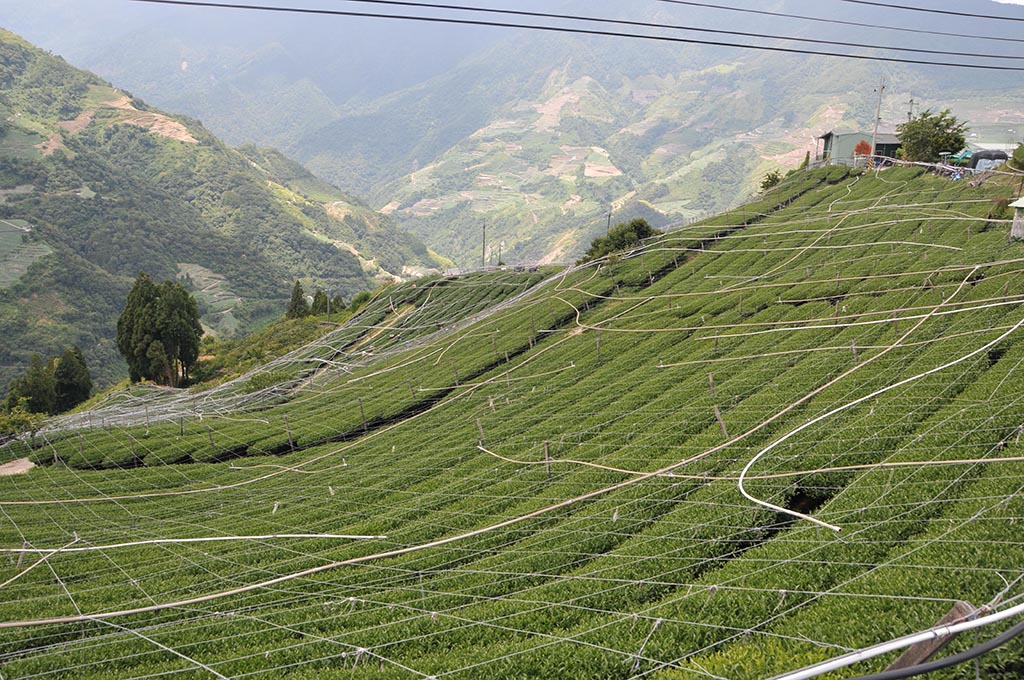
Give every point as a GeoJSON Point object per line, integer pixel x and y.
{"type": "Point", "coordinates": [925, 137]}
{"type": "Point", "coordinates": [320, 303]}
{"type": "Point", "coordinates": [297, 306]}
{"type": "Point", "coordinates": [136, 327]}
{"type": "Point", "coordinates": [72, 382]}
{"type": "Point", "coordinates": [158, 332]}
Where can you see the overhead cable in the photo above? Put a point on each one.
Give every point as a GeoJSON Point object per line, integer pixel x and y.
{"type": "Point", "coordinates": [574, 31]}
{"type": "Point", "coordinates": [675, 27]}
{"type": "Point", "coordinates": [841, 22]}
{"type": "Point", "coordinates": [929, 10]}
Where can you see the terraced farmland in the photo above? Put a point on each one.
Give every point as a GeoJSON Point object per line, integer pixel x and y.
{"type": "Point", "coordinates": [754, 444]}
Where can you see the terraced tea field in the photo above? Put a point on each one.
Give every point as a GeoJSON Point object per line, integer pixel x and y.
{"type": "Point", "coordinates": [754, 444]}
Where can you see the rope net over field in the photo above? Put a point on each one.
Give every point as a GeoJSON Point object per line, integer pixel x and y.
{"type": "Point", "coordinates": [629, 468]}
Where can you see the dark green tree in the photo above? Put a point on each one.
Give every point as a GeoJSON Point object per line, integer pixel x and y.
{"type": "Point", "coordinates": [770, 180]}
{"type": "Point", "coordinates": [36, 389]}
{"type": "Point", "coordinates": [620, 237]}
{"type": "Point", "coordinates": [158, 332]}
{"type": "Point", "coordinates": [72, 382]}
{"type": "Point", "coordinates": [360, 299]}
{"type": "Point", "coordinates": [136, 327]}
{"type": "Point", "coordinates": [297, 306]}
{"type": "Point", "coordinates": [925, 137]}
{"type": "Point", "coordinates": [178, 329]}
{"type": "Point", "coordinates": [320, 303]}
{"type": "Point", "coordinates": [337, 304]}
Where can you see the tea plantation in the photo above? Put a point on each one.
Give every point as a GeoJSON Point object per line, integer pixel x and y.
{"type": "Point", "coordinates": [751, 445]}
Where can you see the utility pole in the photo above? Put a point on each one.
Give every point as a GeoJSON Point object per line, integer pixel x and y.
{"type": "Point", "coordinates": [910, 111]}
{"type": "Point", "coordinates": [878, 116]}
{"type": "Point", "coordinates": [609, 227]}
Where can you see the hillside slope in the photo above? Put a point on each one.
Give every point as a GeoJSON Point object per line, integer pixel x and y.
{"type": "Point", "coordinates": [553, 486]}
{"type": "Point", "coordinates": [96, 186]}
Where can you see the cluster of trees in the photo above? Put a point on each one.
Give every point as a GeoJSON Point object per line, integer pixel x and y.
{"type": "Point", "coordinates": [52, 386]}
{"type": "Point", "coordinates": [299, 305]}
{"type": "Point", "coordinates": [158, 332]}
{"type": "Point", "coordinates": [622, 236]}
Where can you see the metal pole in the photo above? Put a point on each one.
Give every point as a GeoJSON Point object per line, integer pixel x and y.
{"type": "Point", "coordinates": [878, 116]}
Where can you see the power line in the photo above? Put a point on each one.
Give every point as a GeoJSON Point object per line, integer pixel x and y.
{"type": "Point", "coordinates": [675, 27]}
{"type": "Point", "coordinates": [841, 22]}
{"type": "Point", "coordinates": [928, 10]}
{"type": "Point", "coordinates": [574, 31]}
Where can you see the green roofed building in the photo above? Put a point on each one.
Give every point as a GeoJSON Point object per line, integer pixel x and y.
{"type": "Point", "coordinates": [837, 148]}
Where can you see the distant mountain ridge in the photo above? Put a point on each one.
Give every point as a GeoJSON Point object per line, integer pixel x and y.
{"type": "Point", "coordinates": [96, 186]}
{"type": "Point", "coordinates": [537, 136]}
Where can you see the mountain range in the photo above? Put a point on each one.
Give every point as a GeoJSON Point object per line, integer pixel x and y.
{"type": "Point", "coordinates": [531, 139]}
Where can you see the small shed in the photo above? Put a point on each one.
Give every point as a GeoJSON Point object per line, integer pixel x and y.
{"type": "Point", "coordinates": [1017, 230]}
{"type": "Point", "coordinates": [838, 148]}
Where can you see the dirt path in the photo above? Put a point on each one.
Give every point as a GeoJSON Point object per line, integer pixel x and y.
{"type": "Point", "coordinates": [16, 467]}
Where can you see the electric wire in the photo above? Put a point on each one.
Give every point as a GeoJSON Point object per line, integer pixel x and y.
{"type": "Point", "coordinates": [677, 27]}
{"type": "Point", "coordinates": [575, 31]}
{"type": "Point", "coordinates": [881, 27]}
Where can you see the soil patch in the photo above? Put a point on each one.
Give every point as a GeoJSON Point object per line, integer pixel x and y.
{"type": "Point", "coordinates": [16, 467]}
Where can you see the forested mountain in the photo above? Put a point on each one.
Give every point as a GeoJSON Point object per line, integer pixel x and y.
{"type": "Point", "coordinates": [536, 135]}
{"type": "Point", "coordinates": [96, 186]}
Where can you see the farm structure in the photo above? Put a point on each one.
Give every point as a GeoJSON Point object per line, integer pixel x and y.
{"type": "Point", "coordinates": [838, 148]}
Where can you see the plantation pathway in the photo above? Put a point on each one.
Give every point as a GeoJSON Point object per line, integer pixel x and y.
{"type": "Point", "coordinates": [16, 467]}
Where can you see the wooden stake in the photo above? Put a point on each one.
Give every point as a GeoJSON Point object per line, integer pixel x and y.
{"type": "Point", "coordinates": [412, 392]}
{"type": "Point", "coordinates": [741, 304]}
{"type": "Point", "coordinates": [721, 423]}
{"type": "Point", "coordinates": [922, 651]}
{"type": "Point", "coordinates": [181, 427]}
{"type": "Point", "coordinates": [288, 429]}
{"type": "Point", "coordinates": [716, 341]}
{"type": "Point", "coordinates": [362, 413]}
{"type": "Point", "coordinates": [711, 383]}
{"type": "Point", "coordinates": [480, 429]}
{"type": "Point", "coordinates": [599, 347]}
{"type": "Point", "coordinates": [856, 358]}
{"type": "Point", "coordinates": [490, 402]}
{"type": "Point", "coordinates": [1006, 289]}
{"type": "Point", "coordinates": [494, 347]}
{"type": "Point", "coordinates": [547, 458]}
{"type": "Point", "coordinates": [455, 370]}
{"type": "Point", "coordinates": [895, 322]}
